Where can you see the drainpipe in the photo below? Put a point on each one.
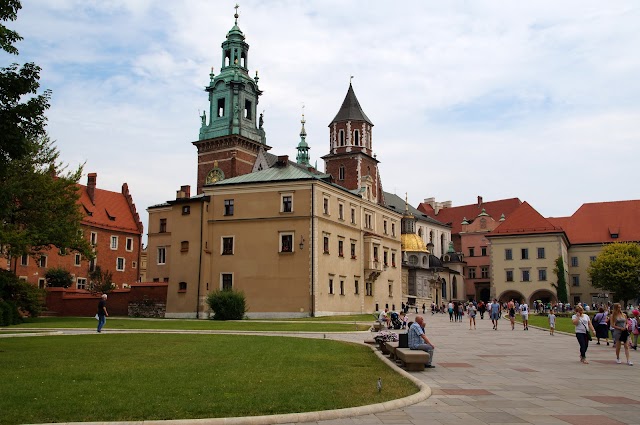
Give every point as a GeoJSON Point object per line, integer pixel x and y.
{"type": "Point", "coordinates": [313, 248]}
{"type": "Point", "coordinates": [200, 262]}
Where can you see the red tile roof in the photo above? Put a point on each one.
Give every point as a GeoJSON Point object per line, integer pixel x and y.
{"type": "Point", "coordinates": [110, 210]}
{"type": "Point", "coordinates": [525, 220]}
{"type": "Point", "coordinates": [455, 215]}
{"type": "Point", "coordinates": [595, 222]}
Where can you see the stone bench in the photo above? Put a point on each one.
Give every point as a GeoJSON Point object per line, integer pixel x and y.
{"type": "Point", "coordinates": [377, 327]}
{"type": "Point", "coordinates": [389, 347]}
{"type": "Point", "coordinates": [370, 341]}
{"type": "Point", "coordinates": [413, 360]}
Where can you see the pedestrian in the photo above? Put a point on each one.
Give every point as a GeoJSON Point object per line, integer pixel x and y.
{"type": "Point", "coordinates": [524, 312]}
{"type": "Point", "coordinates": [424, 307]}
{"type": "Point", "coordinates": [620, 332]}
{"type": "Point", "coordinates": [418, 340]}
{"type": "Point", "coordinates": [511, 307]}
{"type": "Point", "coordinates": [552, 323]}
{"type": "Point", "coordinates": [495, 313]}
{"type": "Point", "coordinates": [450, 310]}
{"type": "Point", "coordinates": [481, 309]}
{"type": "Point", "coordinates": [460, 311]}
{"type": "Point", "coordinates": [471, 312]}
{"type": "Point", "coordinates": [601, 325]}
{"type": "Point", "coordinates": [102, 312]}
{"type": "Point", "coordinates": [583, 324]}
{"type": "Point", "coordinates": [635, 328]}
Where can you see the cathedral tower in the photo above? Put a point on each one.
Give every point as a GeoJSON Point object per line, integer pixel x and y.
{"type": "Point", "coordinates": [350, 160]}
{"type": "Point", "coordinates": [232, 136]}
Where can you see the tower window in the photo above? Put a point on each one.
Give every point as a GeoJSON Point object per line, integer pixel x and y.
{"type": "Point", "coordinates": [247, 109]}
{"type": "Point", "coordinates": [356, 137]}
{"type": "Point", "coordinates": [227, 57]}
{"type": "Point", "coordinates": [221, 107]}
{"type": "Point", "coordinates": [341, 137]}
{"type": "Point", "coordinates": [341, 173]}
{"type": "Point", "coordinates": [243, 60]}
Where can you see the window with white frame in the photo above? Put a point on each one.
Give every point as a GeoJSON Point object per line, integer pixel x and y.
{"type": "Point", "coordinates": [286, 241]}
{"type": "Point", "coordinates": [42, 283]}
{"type": "Point", "coordinates": [24, 260]}
{"type": "Point", "coordinates": [368, 289]}
{"type": "Point", "coordinates": [227, 245]}
{"type": "Point", "coordinates": [114, 242]}
{"type": "Point", "coordinates": [43, 261]}
{"type": "Point", "coordinates": [341, 211]}
{"type": "Point", "coordinates": [340, 247]}
{"type": "Point", "coordinates": [77, 260]}
{"type": "Point", "coordinates": [94, 238]}
{"type": "Point", "coordinates": [81, 283]}
{"type": "Point", "coordinates": [325, 206]}
{"type": "Point", "coordinates": [162, 255]}
{"type": "Point", "coordinates": [120, 264]}
{"type": "Point", "coordinates": [286, 203]}
{"type": "Point", "coordinates": [129, 244]}
{"type": "Point", "coordinates": [368, 223]}
{"type": "Point", "coordinates": [353, 215]}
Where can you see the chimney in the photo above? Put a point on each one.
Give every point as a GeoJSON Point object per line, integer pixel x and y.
{"type": "Point", "coordinates": [283, 160]}
{"type": "Point", "coordinates": [91, 186]}
{"type": "Point", "coordinates": [479, 201]}
{"type": "Point", "coordinates": [187, 190]}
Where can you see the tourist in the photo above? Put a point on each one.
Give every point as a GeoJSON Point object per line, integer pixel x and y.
{"type": "Point", "coordinates": [450, 310]}
{"type": "Point", "coordinates": [102, 312]}
{"type": "Point", "coordinates": [511, 309]}
{"type": "Point", "coordinates": [583, 325]}
{"type": "Point", "coordinates": [419, 341]}
{"type": "Point", "coordinates": [600, 323]}
{"type": "Point", "coordinates": [384, 318]}
{"type": "Point", "coordinates": [494, 312]}
{"type": "Point", "coordinates": [552, 323]}
{"type": "Point", "coordinates": [524, 312]}
{"type": "Point", "coordinates": [620, 332]}
{"type": "Point", "coordinates": [635, 328]}
{"type": "Point", "coordinates": [481, 309]}
{"type": "Point", "coordinates": [471, 312]}
{"type": "Point", "coordinates": [460, 311]}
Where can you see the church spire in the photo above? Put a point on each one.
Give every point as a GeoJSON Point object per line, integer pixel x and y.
{"type": "Point", "coordinates": [303, 148]}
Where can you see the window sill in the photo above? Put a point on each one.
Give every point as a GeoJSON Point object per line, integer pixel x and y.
{"type": "Point", "coordinates": [353, 257]}
{"type": "Point", "coordinates": [286, 252]}
{"type": "Point", "coordinates": [182, 291]}
{"type": "Point", "coordinates": [227, 253]}
{"type": "Point", "coordinates": [326, 252]}
{"type": "Point", "coordinates": [340, 255]}
{"type": "Point", "coordinates": [286, 212]}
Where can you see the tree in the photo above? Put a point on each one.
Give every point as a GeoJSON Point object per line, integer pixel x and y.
{"type": "Point", "coordinates": [21, 108]}
{"type": "Point", "coordinates": [58, 277]}
{"type": "Point", "coordinates": [561, 286]}
{"type": "Point", "coordinates": [617, 270]}
{"type": "Point", "coordinates": [99, 281]}
{"type": "Point", "coordinates": [227, 304]}
{"type": "Point", "coordinates": [17, 296]}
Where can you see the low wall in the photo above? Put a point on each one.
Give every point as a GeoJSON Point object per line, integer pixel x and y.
{"type": "Point", "coordinates": [72, 302]}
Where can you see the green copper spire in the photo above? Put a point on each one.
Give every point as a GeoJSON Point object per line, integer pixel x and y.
{"type": "Point", "coordinates": [451, 250]}
{"type": "Point", "coordinates": [303, 147]}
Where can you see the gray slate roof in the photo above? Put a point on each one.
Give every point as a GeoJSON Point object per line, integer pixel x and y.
{"type": "Point", "coordinates": [350, 109]}
{"type": "Point", "coordinates": [396, 203]}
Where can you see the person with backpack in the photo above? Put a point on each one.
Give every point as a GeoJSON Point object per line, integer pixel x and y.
{"type": "Point", "coordinates": [600, 322]}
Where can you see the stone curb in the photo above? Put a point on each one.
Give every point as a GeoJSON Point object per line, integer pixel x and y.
{"type": "Point", "coordinates": [25, 334]}
{"type": "Point", "coordinates": [320, 415]}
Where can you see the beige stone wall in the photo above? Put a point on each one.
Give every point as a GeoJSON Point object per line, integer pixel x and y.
{"type": "Point", "coordinates": [554, 246]}
{"type": "Point", "coordinates": [584, 291]}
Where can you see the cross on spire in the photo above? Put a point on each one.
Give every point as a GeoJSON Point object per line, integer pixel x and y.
{"type": "Point", "coordinates": [236, 14]}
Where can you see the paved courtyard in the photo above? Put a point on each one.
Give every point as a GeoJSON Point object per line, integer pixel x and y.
{"type": "Point", "coordinates": [517, 377]}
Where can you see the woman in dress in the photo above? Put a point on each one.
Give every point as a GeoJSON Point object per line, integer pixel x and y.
{"type": "Point", "coordinates": [620, 332]}
{"type": "Point", "coordinates": [583, 325]}
{"type": "Point", "coordinates": [601, 325]}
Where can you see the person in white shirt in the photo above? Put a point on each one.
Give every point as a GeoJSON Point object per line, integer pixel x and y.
{"type": "Point", "coordinates": [524, 312]}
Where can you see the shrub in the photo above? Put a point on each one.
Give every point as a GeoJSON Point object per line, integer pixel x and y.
{"type": "Point", "coordinates": [58, 277]}
{"type": "Point", "coordinates": [99, 281]}
{"type": "Point", "coordinates": [227, 305]}
{"type": "Point", "coordinates": [17, 296]}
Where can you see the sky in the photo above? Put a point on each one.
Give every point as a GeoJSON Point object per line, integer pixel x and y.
{"type": "Point", "coordinates": [531, 99]}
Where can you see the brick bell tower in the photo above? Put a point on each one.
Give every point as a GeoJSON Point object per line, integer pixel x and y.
{"type": "Point", "coordinates": [350, 160]}
{"type": "Point", "coordinates": [232, 137]}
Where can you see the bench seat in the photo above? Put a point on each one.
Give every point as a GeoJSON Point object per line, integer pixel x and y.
{"type": "Point", "coordinates": [413, 360]}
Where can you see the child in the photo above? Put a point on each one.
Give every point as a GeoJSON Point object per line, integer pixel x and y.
{"type": "Point", "coordinates": [552, 322]}
{"type": "Point", "coordinates": [405, 320]}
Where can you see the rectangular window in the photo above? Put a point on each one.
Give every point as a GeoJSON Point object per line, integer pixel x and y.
{"type": "Point", "coordinates": [43, 261]}
{"type": "Point", "coordinates": [94, 238]}
{"type": "Point", "coordinates": [341, 173]}
{"type": "Point", "coordinates": [184, 246]}
{"type": "Point", "coordinates": [393, 259]}
{"type": "Point", "coordinates": [472, 272]}
{"type": "Point", "coordinates": [525, 276]}
{"type": "Point", "coordinates": [384, 226]}
{"type": "Point", "coordinates": [540, 252]}
{"type": "Point", "coordinates": [182, 286]}
{"type": "Point", "coordinates": [330, 286]}
{"type": "Point", "coordinates": [575, 280]}
{"type": "Point", "coordinates": [369, 289]}
{"type": "Point", "coordinates": [574, 261]}
{"type": "Point", "coordinates": [509, 275]}
{"type": "Point", "coordinates": [390, 289]}
{"type": "Point", "coordinates": [375, 254]}
{"type": "Point", "coordinates": [134, 264]}
{"type": "Point", "coordinates": [165, 279]}
{"type": "Point", "coordinates": [342, 287]}
{"type": "Point", "coordinates": [129, 244]}
{"type": "Point", "coordinates": [353, 216]}
{"type": "Point", "coordinates": [367, 221]}
{"type": "Point", "coordinates": [77, 259]}
{"type": "Point", "coordinates": [221, 107]}
{"type": "Point", "coordinates": [286, 242]}
{"type": "Point", "coordinates": [226, 281]}
{"type": "Point", "coordinates": [326, 244]}
{"type": "Point", "coordinates": [227, 245]}
{"type": "Point", "coordinates": [353, 251]}
{"type": "Point", "coordinates": [92, 265]}
{"type": "Point", "coordinates": [163, 225]}
{"type": "Point", "coordinates": [228, 207]}
{"type": "Point", "coordinates": [542, 274]}
{"type": "Point", "coordinates": [186, 209]}
{"type": "Point", "coordinates": [247, 109]}
{"type": "Point", "coordinates": [24, 260]}
{"type": "Point", "coordinates": [341, 211]}
{"type": "Point", "coordinates": [120, 264]}
{"type": "Point", "coordinates": [393, 229]}
{"type": "Point", "coordinates": [524, 253]}
{"type": "Point", "coordinates": [325, 206]}
{"type": "Point", "coordinates": [472, 252]}
{"type": "Point", "coordinates": [81, 283]}
{"type": "Point", "coordinates": [340, 248]}
{"type": "Point", "coordinates": [483, 251]}
{"type": "Point", "coordinates": [484, 272]}
{"type": "Point", "coordinates": [162, 255]}
{"type": "Point", "coordinates": [592, 258]}
{"type": "Point", "coordinates": [508, 254]}
{"type": "Point", "coordinates": [114, 242]}
{"type": "Point", "coordinates": [287, 203]}
{"type": "Point", "coordinates": [42, 283]}
{"type": "Point", "coordinates": [356, 285]}
{"type": "Point", "coordinates": [385, 260]}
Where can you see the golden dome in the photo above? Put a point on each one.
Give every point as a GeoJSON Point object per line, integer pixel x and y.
{"type": "Point", "coordinates": [413, 242]}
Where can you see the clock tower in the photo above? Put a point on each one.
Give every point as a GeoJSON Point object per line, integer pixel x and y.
{"type": "Point", "coordinates": [231, 133]}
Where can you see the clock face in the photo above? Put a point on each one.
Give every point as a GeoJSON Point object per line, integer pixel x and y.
{"type": "Point", "coordinates": [215, 175]}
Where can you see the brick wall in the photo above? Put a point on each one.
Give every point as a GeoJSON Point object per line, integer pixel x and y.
{"type": "Point", "coordinates": [69, 302]}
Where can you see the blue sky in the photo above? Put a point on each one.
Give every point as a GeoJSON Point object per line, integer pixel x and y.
{"type": "Point", "coordinates": [536, 100]}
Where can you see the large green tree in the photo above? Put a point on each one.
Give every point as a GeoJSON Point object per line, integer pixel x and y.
{"type": "Point", "coordinates": [561, 286]}
{"type": "Point", "coordinates": [617, 270]}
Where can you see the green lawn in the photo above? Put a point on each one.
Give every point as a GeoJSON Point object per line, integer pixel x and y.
{"type": "Point", "coordinates": [563, 324]}
{"type": "Point", "coordinates": [127, 377]}
{"type": "Point", "coordinates": [181, 324]}
{"type": "Point", "coordinates": [346, 318]}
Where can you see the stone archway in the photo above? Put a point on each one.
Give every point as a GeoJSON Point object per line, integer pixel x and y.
{"type": "Point", "coordinates": [544, 295]}
{"type": "Point", "coordinates": [509, 295]}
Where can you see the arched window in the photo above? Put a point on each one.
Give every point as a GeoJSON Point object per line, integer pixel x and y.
{"type": "Point", "coordinates": [443, 286]}
{"type": "Point", "coordinates": [420, 231]}
{"type": "Point", "coordinates": [227, 57]}
{"type": "Point", "coordinates": [341, 137]}
{"type": "Point", "coordinates": [454, 288]}
{"type": "Point", "coordinates": [431, 236]}
{"type": "Point", "coordinates": [243, 60]}
{"type": "Point", "coordinates": [356, 137]}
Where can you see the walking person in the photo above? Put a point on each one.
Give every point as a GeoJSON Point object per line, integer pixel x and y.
{"type": "Point", "coordinates": [419, 341]}
{"type": "Point", "coordinates": [102, 312]}
{"type": "Point", "coordinates": [552, 323]}
{"type": "Point", "coordinates": [524, 312]}
{"type": "Point", "coordinates": [471, 312]}
{"type": "Point", "coordinates": [583, 325]}
{"type": "Point", "coordinates": [481, 309]}
{"type": "Point", "coordinates": [495, 313]}
{"type": "Point", "coordinates": [512, 314]}
{"type": "Point", "coordinates": [620, 332]}
{"type": "Point", "coordinates": [460, 311]}
{"type": "Point", "coordinates": [450, 310]}
{"type": "Point", "coordinates": [600, 322]}
{"type": "Point", "coordinates": [635, 328]}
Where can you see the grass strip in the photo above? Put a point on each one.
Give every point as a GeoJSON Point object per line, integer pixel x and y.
{"type": "Point", "coordinates": [133, 377]}
{"type": "Point", "coordinates": [563, 324]}
{"type": "Point", "coordinates": [183, 324]}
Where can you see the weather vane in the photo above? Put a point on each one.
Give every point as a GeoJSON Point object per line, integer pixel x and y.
{"type": "Point", "coordinates": [350, 80]}
{"type": "Point", "coordinates": [302, 111]}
